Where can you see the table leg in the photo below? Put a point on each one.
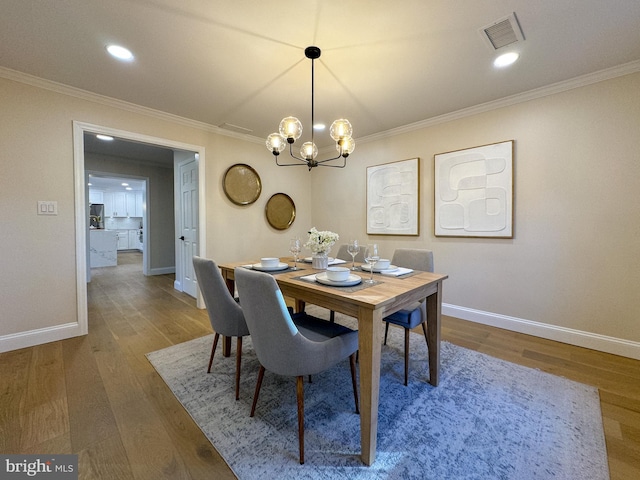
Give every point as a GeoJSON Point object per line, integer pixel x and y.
{"type": "Point", "coordinates": [369, 342]}
{"type": "Point", "coordinates": [434, 322]}
{"type": "Point", "coordinates": [299, 306]}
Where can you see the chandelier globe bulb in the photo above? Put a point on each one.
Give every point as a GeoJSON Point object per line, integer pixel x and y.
{"type": "Point", "coordinates": [341, 128]}
{"type": "Point", "coordinates": [309, 151]}
{"type": "Point", "coordinates": [276, 143]}
{"type": "Point", "coordinates": [346, 146]}
{"type": "Point", "coordinates": [290, 128]}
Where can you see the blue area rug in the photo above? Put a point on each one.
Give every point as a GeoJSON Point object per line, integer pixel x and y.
{"type": "Point", "coordinates": [488, 419]}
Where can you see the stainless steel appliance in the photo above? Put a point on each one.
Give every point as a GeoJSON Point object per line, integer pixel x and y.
{"type": "Point", "coordinates": [96, 215]}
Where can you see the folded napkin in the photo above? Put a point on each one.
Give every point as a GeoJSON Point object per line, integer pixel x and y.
{"type": "Point", "coordinates": [310, 278]}
{"type": "Point", "coordinates": [396, 273]}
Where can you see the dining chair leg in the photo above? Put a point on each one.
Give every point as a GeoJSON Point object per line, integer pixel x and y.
{"type": "Point", "coordinates": [352, 364]}
{"type": "Point", "coordinates": [213, 351]}
{"type": "Point", "coordinates": [300, 396]}
{"type": "Point", "coordinates": [386, 331]}
{"type": "Point", "coordinates": [257, 392]}
{"type": "Point", "coordinates": [238, 362]}
{"type": "Point", "coordinates": [406, 355]}
{"type": "Point", "coordinates": [332, 316]}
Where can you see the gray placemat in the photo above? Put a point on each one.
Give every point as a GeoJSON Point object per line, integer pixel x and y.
{"type": "Point", "coordinates": [401, 277]}
{"type": "Point", "coordinates": [275, 272]}
{"type": "Point", "coordinates": [354, 288]}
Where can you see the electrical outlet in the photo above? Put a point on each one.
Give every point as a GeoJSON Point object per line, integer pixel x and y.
{"type": "Point", "coordinates": [47, 207]}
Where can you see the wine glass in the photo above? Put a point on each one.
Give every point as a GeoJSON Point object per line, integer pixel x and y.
{"type": "Point", "coordinates": [353, 248]}
{"type": "Point", "coordinates": [294, 248]}
{"type": "Point", "coordinates": [371, 256]}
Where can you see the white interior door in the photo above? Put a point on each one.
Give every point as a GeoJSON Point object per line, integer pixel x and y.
{"type": "Point", "coordinates": [187, 245]}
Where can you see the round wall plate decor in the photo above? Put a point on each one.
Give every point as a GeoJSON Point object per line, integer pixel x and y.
{"type": "Point", "coordinates": [241, 184]}
{"type": "Point", "coordinates": [280, 211]}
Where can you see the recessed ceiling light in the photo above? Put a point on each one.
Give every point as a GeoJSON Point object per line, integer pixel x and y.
{"type": "Point", "coordinates": [128, 188]}
{"type": "Point", "coordinates": [505, 59]}
{"type": "Point", "coordinates": [124, 184]}
{"type": "Point", "coordinates": [120, 53]}
{"type": "Point", "coordinates": [319, 126]}
{"type": "Point", "coordinates": [106, 138]}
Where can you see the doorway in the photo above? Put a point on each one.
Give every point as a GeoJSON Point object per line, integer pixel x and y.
{"type": "Point", "coordinates": [81, 201]}
{"type": "Point", "coordinates": [119, 204]}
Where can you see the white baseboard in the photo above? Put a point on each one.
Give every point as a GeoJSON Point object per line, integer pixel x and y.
{"type": "Point", "coordinates": [594, 341]}
{"type": "Point", "coordinates": [161, 271]}
{"type": "Point", "coordinates": [31, 338]}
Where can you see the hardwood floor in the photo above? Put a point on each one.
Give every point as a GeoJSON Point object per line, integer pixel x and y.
{"type": "Point", "coordinates": [99, 397]}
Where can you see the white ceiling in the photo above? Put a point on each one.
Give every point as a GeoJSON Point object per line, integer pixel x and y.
{"type": "Point", "coordinates": [141, 152]}
{"type": "Point", "coordinates": [384, 64]}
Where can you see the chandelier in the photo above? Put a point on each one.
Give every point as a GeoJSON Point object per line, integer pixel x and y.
{"type": "Point", "coordinates": [290, 130]}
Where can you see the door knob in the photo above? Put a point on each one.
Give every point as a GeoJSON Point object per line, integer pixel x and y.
{"type": "Point", "coordinates": [182, 237]}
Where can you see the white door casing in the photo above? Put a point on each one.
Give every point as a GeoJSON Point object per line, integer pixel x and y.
{"type": "Point", "coordinates": [81, 230]}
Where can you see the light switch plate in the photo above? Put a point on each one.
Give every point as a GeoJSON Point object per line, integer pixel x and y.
{"type": "Point", "coordinates": [47, 207]}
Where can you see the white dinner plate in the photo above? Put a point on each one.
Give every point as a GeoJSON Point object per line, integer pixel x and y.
{"type": "Point", "coordinates": [280, 266]}
{"type": "Point", "coordinates": [349, 282]}
{"type": "Point", "coordinates": [392, 268]}
{"type": "Point", "coordinates": [309, 259]}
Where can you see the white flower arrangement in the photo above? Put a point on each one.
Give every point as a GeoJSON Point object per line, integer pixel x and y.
{"type": "Point", "coordinates": [321, 241]}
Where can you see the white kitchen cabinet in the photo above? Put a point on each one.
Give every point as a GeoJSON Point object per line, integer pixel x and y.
{"type": "Point", "coordinates": [139, 205]}
{"type": "Point", "coordinates": [119, 204]}
{"type": "Point", "coordinates": [133, 240]}
{"type": "Point", "coordinates": [115, 204]}
{"type": "Point", "coordinates": [130, 203]}
{"type": "Point", "coordinates": [123, 204]}
{"type": "Point", "coordinates": [96, 196]}
{"type": "Point", "coordinates": [123, 239]}
{"type": "Point", "coordinates": [107, 198]}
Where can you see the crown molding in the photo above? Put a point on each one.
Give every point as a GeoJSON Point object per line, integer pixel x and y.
{"type": "Point", "coordinates": [577, 82]}
{"type": "Point", "coordinates": [63, 89]}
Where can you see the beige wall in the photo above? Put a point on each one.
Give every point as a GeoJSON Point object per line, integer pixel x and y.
{"type": "Point", "coordinates": [572, 270]}
{"type": "Point", "coordinates": [38, 283]}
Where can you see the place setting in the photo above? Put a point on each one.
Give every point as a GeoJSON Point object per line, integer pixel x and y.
{"type": "Point", "coordinates": [384, 267]}
{"type": "Point", "coordinates": [271, 265]}
{"type": "Point", "coordinates": [375, 264]}
{"type": "Point", "coordinates": [339, 277]}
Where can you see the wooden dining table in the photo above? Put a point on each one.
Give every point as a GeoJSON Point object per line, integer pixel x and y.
{"type": "Point", "coordinates": [369, 305]}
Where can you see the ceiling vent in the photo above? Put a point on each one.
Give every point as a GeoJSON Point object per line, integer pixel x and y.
{"type": "Point", "coordinates": [503, 32]}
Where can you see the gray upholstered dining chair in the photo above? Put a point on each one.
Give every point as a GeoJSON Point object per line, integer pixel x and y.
{"type": "Point", "coordinates": [291, 346]}
{"type": "Point", "coordinates": [225, 314]}
{"type": "Point", "coordinates": [343, 254]}
{"type": "Point", "coordinates": [416, 314]}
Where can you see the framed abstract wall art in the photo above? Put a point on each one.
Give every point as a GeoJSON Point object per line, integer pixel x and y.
{"type": "Point", "coordinates": [393, 191]}
{"type": "Point", "coordinates": [474, 192]}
